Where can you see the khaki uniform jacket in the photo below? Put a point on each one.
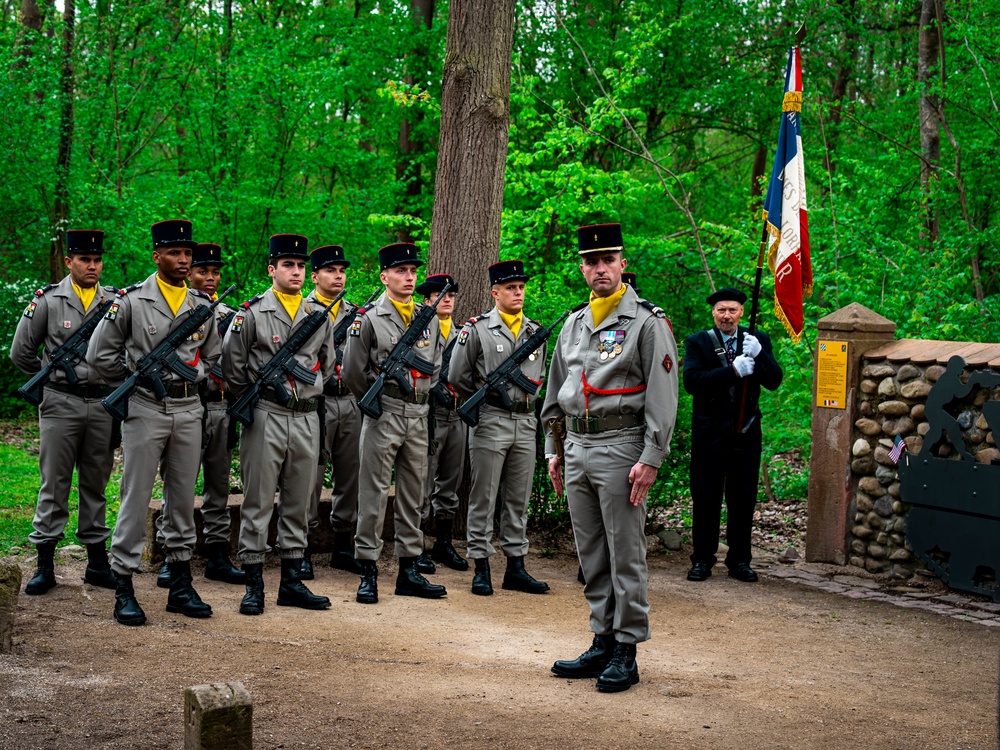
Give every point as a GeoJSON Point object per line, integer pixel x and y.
{"type": "Point", "coordinates": [346, 310]}
{"type": "Point", "coordinates": [648, 358]}
{"type": "Point", "coordinates": [261, 327]}
{"type": "Point", "coordinates": [52, 316]}
{"type": "Point", "coordinates": [483, 345]}
{"type": "Point", "coordinates": [137, 321]}
{"type": "Point", "coordinates": [216, 382]}
{"type": "Point", "coordinates": [373, 335]}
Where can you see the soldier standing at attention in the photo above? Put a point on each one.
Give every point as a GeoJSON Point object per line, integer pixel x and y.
{"type": "Point", "coordinates": [157, 434]}
{"type": "Point", "coordinates": [613, 379]}
{"type": "Point", "coordinates": [446, 464]}
{"type": "Point", "coordinates": [502, 446]}
{"type": "Point", "coordinates": [282, 444]}
{"type": "Point", "coordinates": [399, 437]}
{"type": "Point", "coordinates": [343, 421]}
{"type": "Point", "coordinates": [75, 429]}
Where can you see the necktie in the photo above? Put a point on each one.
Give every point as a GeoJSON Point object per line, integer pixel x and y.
{"type": "Point", "coordinates": [731, 349]}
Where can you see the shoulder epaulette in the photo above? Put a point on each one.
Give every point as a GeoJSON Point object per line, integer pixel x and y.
{"type": "Point", "coordinates": [110, 289]}
{"type": "Point", "coordinates": [43, 290]}
{"type": "Point", "coordinates": [364, 308]}
{"type": "Point", "coordinates": [199, 293]}
{"type": "Point", "coordinates": [581, 306]}
{"type": "Point", "coordinates": [657, 311]}
{"type": "Point", "coordinates": [251, 302]}
{"type": "Point", "coordinates": [476, 318]}
{"type": "Point", "coordinates": [128, 289]}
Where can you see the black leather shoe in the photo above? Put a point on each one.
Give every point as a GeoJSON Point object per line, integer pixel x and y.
{"type": "Point", "coordinates": [98, 572]}
{"type": "Point", "coordinates": [591, 663]}
{"type": "Point", "coordinates": [482, 584]}
{"type": "Point", "coordinates": [622, 672]}
{"type": "Point", "coordinates": [183, 599]}
{"type": "Point", "coordinates": [743, 572]}
{"type": "Point", "coordinates": [409, 582]}
{"type": "Point", "coordinates": [292, 592]}
{"type": "Point", "coordinates": [444, 551]}
{"type": "Point", "coordinates": [516, 578]}
{"type": "Point", "coordinates": [368, 589]}
{"type": "Point", "coordinates": [342, 557]}
{"type": "Point", "coordinates": [163, 577]}
{"type": "Point", "coordinates": [219, 568]}
{"type": "Point", "coordinates": [306, 567]}
{"type": "Point", "coordinates": [253, 600]}
{"type": "Point", "coordinates": [127, 609]}
{"type": "Point", "coordinates": [700, 572]}
{"type": "Point", "coordinates": [424, 564]}
{"type": "Point", "coordinates": [45, 574]}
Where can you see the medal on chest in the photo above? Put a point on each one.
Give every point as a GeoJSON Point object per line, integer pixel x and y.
{"type": "Point", "coordinates": [610, 345]}
{"type": "Point", "coordinates": [425, 339]}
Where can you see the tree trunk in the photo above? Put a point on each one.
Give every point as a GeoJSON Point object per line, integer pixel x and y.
{"type": "Point", "coordinates": [928, 59]}
{"type": "Point", "coordinates": [57, 250]}
{"type": "Point", "coordinates": [472, 154]}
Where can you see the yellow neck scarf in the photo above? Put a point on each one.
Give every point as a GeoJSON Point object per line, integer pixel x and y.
{"type": "Point", "coordinates": [291, 302]}
{"type": "Point", "coordinates": [602, 307]}
{"type": "Point", "coordinates": [174, 295]}
{"type": "Point", "coordinates": [405, 310]}
{"type": "Point", "coordinates": [324, 301]}
{"type": "Point", "coordinates": [86, 295]}
{"type": "Point", "coordinates": [445, 327]}
{"type": "Point", "coordinates": [513, 322]}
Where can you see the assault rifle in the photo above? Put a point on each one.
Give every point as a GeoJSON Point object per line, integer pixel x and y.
{"type": "Point", "coordinates": [66, 357]}
{"type": "Point", "coordinates": [401, 360]}
{"type": "Point", "coordinates": [340, 332]}
{"type": "Point", "coordinates": [282, 365]}
{"type": "Point", "coordinates": [441, 394]}
{"type": "Point", "coordinates": [508, 374]}
{"type": "Point", "coordinates": [149, 369]}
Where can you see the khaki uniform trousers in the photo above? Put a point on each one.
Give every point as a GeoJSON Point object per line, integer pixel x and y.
{"type": "Point", "coordinates": [610, 531]}
{"type": "Point", "coordinates": [399, 439]}
{"type": "Point", "coordinates": [343, 433]}
{"type": "Point", "coordinates": [446, 468]}
{"type": "Point", "coordinates": [74, 432]}
{"type": "Point", "coordinates": [164, 434]}
{"type": "Point", "coordinates": [280, 446]}
{"type": "Point", "coordinates": [502, 454]}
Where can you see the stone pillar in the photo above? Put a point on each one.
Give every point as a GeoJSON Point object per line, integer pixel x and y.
{"type": "Point", "coordinates": [10, 585]}
{"type": "Point", "coordinates": [831, 486]}
{"type": "Point", "coordinates": [218, 716]}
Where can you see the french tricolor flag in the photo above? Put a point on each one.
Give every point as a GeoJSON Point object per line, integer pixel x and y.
{"type": "Point", "coordinates": [785, 216]}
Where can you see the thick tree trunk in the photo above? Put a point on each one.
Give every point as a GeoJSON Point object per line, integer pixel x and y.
{"type": "Point", "coordinates": [928, 60]}
{"type": "Point", "coordinates": [475, 123]}
{"type": "Point", "coordinates": [57, 251]}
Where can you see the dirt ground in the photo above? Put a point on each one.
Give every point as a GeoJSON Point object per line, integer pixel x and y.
{"type": "Point", "coordinates": [731, 665]}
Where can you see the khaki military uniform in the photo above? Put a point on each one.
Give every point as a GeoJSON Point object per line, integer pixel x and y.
{"type": "Point", "coordinates": [446, 463]}
{"type": "Point", "coordinates": [502, 447]}
{"type": "Point", "coordinates": [282, 445]}
{"type": "Point", "coordinates": [396, 440]}
{"type": "Point", "coordinates": [164, 434]}
{"type": "Point", "coordinates": [343, 435]}
{"type": "Point", "coordinates": [75, 429]}
{"type": "Point", "coordinates": [617, 387]}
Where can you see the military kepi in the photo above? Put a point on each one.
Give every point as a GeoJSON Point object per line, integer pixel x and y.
{"type": "Point", "coordinates": [288, 246]}
{"type": "Point", "coordinates": [507, 270]}
{"type": "Point", "coordinates": [598, 238]}
{"type": "Point", "coordinates": [726, 294]}
{"type": "Point", "coordinates": [436, 283]}
{"type": "Point", "coordinates": [327, 255]}
{"type": "Point", "coordinates": [172, 233]}
{"type": "Point", "coordinates": [397, 255]}
{"type": "Point", "coordinates": [207, 254]}
{"type": "Point", "coordinates": [629, 278]}
{"type": "Point", "coordinates": [89, 241]}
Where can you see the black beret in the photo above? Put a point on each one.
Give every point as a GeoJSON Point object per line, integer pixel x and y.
{"type": "Point", "coordinates": [724, 294]}
{"type": "Point", "coordinates": [89, 241]}
{"type": "Point", "coordinates": [507, 270]}
{"type": "Point", "coordinates": [172, 233]}
{"type": "Point", "coordinates": [436, 283]}
{"type": "Point", "coordinates": [288, 246]}
{"type": "Point", "coordinates": [328, 255]}
{"type": "Point", "coordinates": [398, 255]}
{"type": "Point", "coordinates": [597, 238]}
{"type": "Point", "coordinates": [207, 254]}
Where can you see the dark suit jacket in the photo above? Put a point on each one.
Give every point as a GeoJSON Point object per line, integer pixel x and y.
{"type": "Point", "coordinates": [716, 388]}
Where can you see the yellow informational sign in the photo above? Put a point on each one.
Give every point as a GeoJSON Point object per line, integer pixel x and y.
{"type": "Point", "coordinates": [831, 375]}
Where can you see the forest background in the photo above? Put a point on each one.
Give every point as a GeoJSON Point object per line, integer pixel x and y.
{"type": "Point", "coordinates": [322, 118]}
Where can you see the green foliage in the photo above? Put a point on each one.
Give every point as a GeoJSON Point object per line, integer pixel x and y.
{"type": "Point", "coordinates": [14, 296]}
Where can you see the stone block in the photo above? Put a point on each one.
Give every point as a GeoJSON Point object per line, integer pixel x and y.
{"type": "Point", "coordinates": [878, 371]}
{"type": "Point", "coordinates": [874, 566]}
{"type": "Point", "coordinates": [986, 455]}
{"type": "Point", "coordinates": [861, 447]}
{"type": "Point", "coordinates": [923, 428]}
{"type": "Point", "coordinates": [863, 502]}
{"type": "Point", "coordinates": [915, 389]}
{"type": "Point", "coordinates": [859, 547]}
{"type": "Point", "coordinates": [866, 408]}
{"type": "Point", "coordinates": [918, 411]}
{"type": "Point", "coordinates": [870, 486]}
{"type": "Point", "coordinates": [934, 372]}
{"type": "Point", "coordinates": [900, 555]}
{"type": "Point", "coordinates": [908, 372]}
{"type": "Point", "coordinates": [862, 532]}
{"type": "Point", "coordinates": [894, 408]}
{"type": "Point", "coordinates": [883, 506]}
{"type": "Point", "coordinates": [882, 539]}
{"type": "Point", "coordinates": [10, 586]}
{"type": "Point", "coordinates": [888, 388]}
{"type": "Point", "coordinates": [882, 456]}
{"type": "Point", "coordinates": [904, 426]}
{"type": "Point", "coordinates": [874, 521]}
{"type": "Point", "coordinates": [863, 466]}
{"type": "Point", "coordinates": [857, 562]}
{"type": "Point", "coordinates": [894, 490]}
{"type": "Point", "coordinates": [885, 475]}
{"type": "Point", "coordinates": [218, 716]}
{"type": "Point", "coordinates": [869, 386]}
{"type": "Point", "coordinates": [981, 423]}
{"type": "Point", "coordinates": [966, 419]}
{"type": "Point", "coordinates": [868, 427]}
{"type": "Point", "coordinates": [914, 443]}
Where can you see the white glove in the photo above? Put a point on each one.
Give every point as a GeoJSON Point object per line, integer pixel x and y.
{"type": "Point", "coordinates": [743, 365]}
{"type": "Point", "coordinates": [751, 346]}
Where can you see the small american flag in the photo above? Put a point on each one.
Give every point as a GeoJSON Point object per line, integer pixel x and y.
{"type": "Point", "coordinates": [898, 446]}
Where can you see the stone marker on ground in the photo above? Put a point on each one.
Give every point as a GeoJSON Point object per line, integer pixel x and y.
{"type": "Point", "coordinates": [218, 716]}
{"type": "Point", "coordinates": [10, 585]}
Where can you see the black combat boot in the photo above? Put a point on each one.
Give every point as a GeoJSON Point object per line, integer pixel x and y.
{"type": "Point", "coordinates": [292, 592]}
{"type": "Point", "coordinates": [342, 557]}
{"type": "Point", "coordinates": [409, 582]}
{"type": "Point", "coordinates": [592, 662]}
{"type": "Point", "coordinates": [422, 563]}
{"type": "Point", "coordinates": [306, 567]}
{"type": "Point", "coordinates": [127, 609]}
{"type": "Point", "coordinates": [622, 672]}
{"type": "Point", "coordinates": [482, 584]}
{"type": "Point", "coordinates": [183, 599]}
{"type": "Point", "coordinates": [163, 577]}
{"type": "Point", "coordinates": [253, 600]}
{"type": "Point", "coordinates": [45, 574]}
{"type": "Point", "coordinates": [443, 551]}
{"type": "Point", "coordinates": [219, 568]}
{"type": "Point", "coordinates": [368, 589]}
{"type": "Point", "coordinates": [98, 572]}
{"type": "Point", "coordinates": [516, 578]}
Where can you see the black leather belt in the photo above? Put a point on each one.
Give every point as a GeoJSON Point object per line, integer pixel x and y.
{"type": "Point", "coordinates": [392, 390]}
{"type": "Point", "coordinates": [174, 390]}
{"type": "Point", "coordinates": [82, 391]}
{"type": "Point", "coordinates": [593, 425]}
{"type": "Point", "coordinates": [517, 407]}
{"type": "Point", "coordinates": [294, 403]}
{"type": "Point", "coordinates": [213, 397]}
{"type": "Point", "coordinates": [336, 389]}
